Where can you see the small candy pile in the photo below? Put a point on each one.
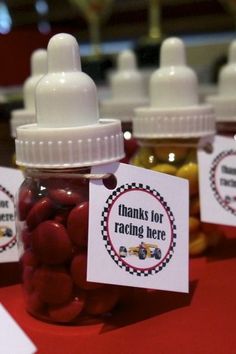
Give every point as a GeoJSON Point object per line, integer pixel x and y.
{"type": "Point", "coordinates": [53, 218]}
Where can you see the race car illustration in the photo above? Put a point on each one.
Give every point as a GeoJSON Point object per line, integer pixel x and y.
{"type": "Point", "coordinates": [5, 231]}
{"type": "Point", "coordinates": [143, 251]}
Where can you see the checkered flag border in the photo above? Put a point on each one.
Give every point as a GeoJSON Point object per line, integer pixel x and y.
{"type": "Point", "coordinates": [12, 243]}
{"type": "Point", "coordinates": [214, 165]}
{"type": "Point", "coordinates": [104, 225]}
{"type": "Point", "coordinates": [8, 245]}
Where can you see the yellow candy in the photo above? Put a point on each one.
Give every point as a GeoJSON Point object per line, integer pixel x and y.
{"type": "Point", "coordinates": [190, 172]}
{"type": "Point", "coordinates": [194, 224]}
{"type": "Point", "coordinates": [146, 157]}
{"type": "Point", "coordinates": [135, 161]}
{"type": "Point", "coordinates": [198, 244]}
{"type": "Point", "coordinates": [171, 153]}
{"type": "Point", "coordinates": [192, 156]}
{"type": "Point", "coordinates": [165, 168]}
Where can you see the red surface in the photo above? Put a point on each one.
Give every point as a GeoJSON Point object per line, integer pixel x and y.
{"type": "Point", "coordinates": [201, 322]}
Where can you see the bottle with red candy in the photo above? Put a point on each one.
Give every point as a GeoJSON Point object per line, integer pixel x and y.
{"type": "Point", "coordinates": [57, 153]}
{"type": "Point", "coordinates": [128, 93]}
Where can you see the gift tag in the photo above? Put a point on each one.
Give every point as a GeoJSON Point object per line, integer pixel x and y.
{"type": "Point", "coordinates": [10, 180]}
{"type": "Point", "coordinates": [12, 338]}
{"type": "Point", "coordinates": [217, 177]}
{"type": "Point", "coordinates": [138, 228]}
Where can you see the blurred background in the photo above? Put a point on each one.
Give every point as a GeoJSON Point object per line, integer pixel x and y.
{"type": "Point", "coordinates": [103, 29]}
{"type": "Point", "coordinates": [207, 26]}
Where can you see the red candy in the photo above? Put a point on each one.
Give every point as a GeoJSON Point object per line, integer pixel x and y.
{"type": "Point", "coordinates": [78, 273]}
{"type": "Point", "coordinates": [53, 285]}
{"type": "Point", "coordinates": [34, 303]}
{"type": "Point", "coordinates": [25, 202]}
{"type": "Point", "coordinates": [29, 259]}
{"type": "Point", "coordinates": [61, 216]}
{"type": "Point", "coordinates": [26, 238]}
{"type": "Point", "coordinates": [50, 243]}
{"type": "Point", "coordinates": [56, 230]}
{"type": "Point", "coordinates": [63, 193]}
{"type": "Point", "coordinates": [101, 300]}
{"type": "Point", "coordinates": [28, 273]}
{"type": "Point", "coordinates": [68, 312]}
{"type": "Point", "coordinates": [77, 224]}
{"type": "Point", "coordinates": [42, 210]}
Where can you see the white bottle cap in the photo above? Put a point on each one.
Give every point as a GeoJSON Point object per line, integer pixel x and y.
{"type": "Point", "coordinates": [68, 132]}
{"type": "Point", "coordinates": [225, 102]}
{"type": "Point", "coordinates": [38, 69]}
{"type": "Point", "coordinates": [127, 88]}
{"type": "Point", "coordinates": [174, 110]}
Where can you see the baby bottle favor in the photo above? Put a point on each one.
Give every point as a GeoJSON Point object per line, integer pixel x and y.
{"type": "Point", "coordinates": [224, 102]}
{"type": "Point", "coordinates": [53, 201]}
{"type": "Point", "coordinates": [27, 114]}
{"type": "Point", "coordinates": [128, 93]}
{"type": "Point", "coordinates": [168, 132]}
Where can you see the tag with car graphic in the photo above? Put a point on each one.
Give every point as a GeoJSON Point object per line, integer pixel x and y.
{"type": "Point", "coordinates": [138, 228]}
{"type": "Point", "coordinates": [142, 251]}
{"type": "Point", "coordinates": [218, 182]}
{"type": "Point", "coordinates": [10, 180]}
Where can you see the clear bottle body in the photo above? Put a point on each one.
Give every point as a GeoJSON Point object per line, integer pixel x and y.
{"type": "Point", "coordinates": [52, 227]}
{"type": "Point", "coordinates": [178, 157]}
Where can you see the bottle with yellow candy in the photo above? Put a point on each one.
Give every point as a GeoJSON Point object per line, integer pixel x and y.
{"type": "Point", "coordinates": [224, 102]}
{"type": "Point", "coordinates": [169, 130]}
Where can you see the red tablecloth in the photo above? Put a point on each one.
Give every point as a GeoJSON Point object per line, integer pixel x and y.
{"type": "Point", "coordinates": [201, 322]}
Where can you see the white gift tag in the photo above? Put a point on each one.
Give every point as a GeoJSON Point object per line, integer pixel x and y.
{"type": "Point", "coordinates": [12, 338]}
{"type": "Point", "coordinates": [10, 180]}
{"type": "Point", "coordinates": [138, 231]}
{"type": "Point", "coordinates": [217, 177]}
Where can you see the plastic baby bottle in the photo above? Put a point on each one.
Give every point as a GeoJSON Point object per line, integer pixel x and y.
{"type": "Point", "coordinates": [224, 102]}
{"type": "Point", "coordinates": [53, 201]}
{"type": "Point", "coordinates": [128, 93]}
{"type": "Point", "coordinates": [169, 130]}
{"type": "Point", "coordinates": [38, 63]}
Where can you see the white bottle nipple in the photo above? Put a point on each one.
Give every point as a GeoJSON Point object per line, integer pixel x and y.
{"type": "Point", "coordinates": [173, 84]}
{"type": "Point", "coordinates": [67, 133]}
{"type": "Point", "coordinates": [227, 76]}
{"type": "Point", "coordinates": [66, 96]}
{"type": "Point", "coordinates": [38, 69]}
{"type": "Point", "coordinates": [126, 61]}
{"type": "Point", "coordinates": [127, 82]}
